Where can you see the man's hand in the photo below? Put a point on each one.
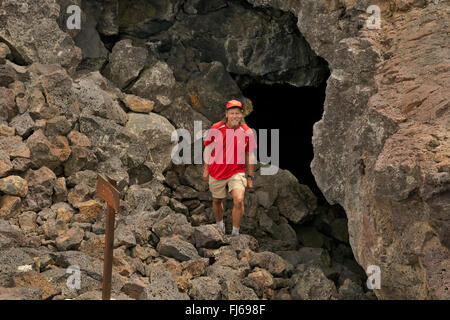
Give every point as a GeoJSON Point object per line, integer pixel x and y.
{"type": "Point", "coordinates": [249, 183]}
{"type": "Point", "coordinates": [205, 174]}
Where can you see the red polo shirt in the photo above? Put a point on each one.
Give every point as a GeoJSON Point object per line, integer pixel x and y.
{"type": "Point", "coordinates": [230, 145]}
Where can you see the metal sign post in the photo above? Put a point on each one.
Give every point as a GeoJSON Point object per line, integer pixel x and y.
{"type": "Point", "coordinates": [108, 192]}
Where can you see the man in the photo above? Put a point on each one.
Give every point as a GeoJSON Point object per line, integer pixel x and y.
{"type": "Point", "coordinates": [229, 139]}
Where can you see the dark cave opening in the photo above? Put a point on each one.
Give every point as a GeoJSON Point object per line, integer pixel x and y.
{"type": "Point", "coordinates": [292, 110]}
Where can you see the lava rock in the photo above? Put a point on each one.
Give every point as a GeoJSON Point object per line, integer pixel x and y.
{"type": "Point", "coordinates": [48, 153]}
{"type": "Point", "coordinates": [35, 279]}
{"type": "Point", "coordinates": [174, 224]}
{"type": "Point", "coordinates": [70, 239]}
{"type": "Point", "coordinates": [41, 183]}
{"type": "Point", "coordinates": [271, 262]}
{"type": "Point", "coordinates": [30, 21]}
{"type": "Point", "coordinates": [235, 290]}
{"type": "Point", "coordinates": [125, 63]}
{"type": "Point", "coordinates": [14, 147]}
{"type": "Point", "coordinates": [314, 285]}
{"type": "Point", "coordinates": [9, 206]}
{"type": "Point", "coordinates": [205, 288]}
{"type": "Point", "coordinates": [138, 104]}
{"type": "Point", "coordinates": [177, 248]}
{"type": "Point", "coordinates": [259, 280]}
{"type": "Point", "coordinates": [208, 236]}
{"type": "Point", "coordinates": [5, 164]}
{"type": "Point", "coordinates": [23, 124]}
{"type": "Point", "coordinates": [14, 185]}
{"type": "Point", "coordinates": [162, 286]}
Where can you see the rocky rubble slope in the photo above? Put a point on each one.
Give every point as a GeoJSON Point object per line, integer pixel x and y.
{"type": "Point", "coordinates": [58, 133]}
{"type": "Point", "coordinates": [67, 117]}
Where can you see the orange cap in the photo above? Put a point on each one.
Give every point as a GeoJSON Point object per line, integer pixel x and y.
{"type": "Point", "coordinates": [234, 104]}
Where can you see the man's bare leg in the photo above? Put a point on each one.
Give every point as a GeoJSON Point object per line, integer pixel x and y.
{"type": "Point", "coordinates": [217, 206]}
{"type": "Point", "coordinates": [238, 206]}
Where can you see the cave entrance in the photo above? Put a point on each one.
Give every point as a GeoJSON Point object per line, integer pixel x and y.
{"type": "Point", "coordinates": [292, 110]}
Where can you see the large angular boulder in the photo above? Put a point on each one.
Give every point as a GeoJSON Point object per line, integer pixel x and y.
{"type": "Point", "coordinates": [23, 124]}
{"type": "Point", "coordinates": [94, 93]}
{"type": "Point", "coordinates": [5, 164]}
{"type": "Point", "coordinates": [81, 158]}
{"type": "Point", "coordinates": [174, 224]}
{"type": "Point", "coordinates": [35, 279]}
{"type": "Point", "coordinates": [271, 262]}
{"type": "Point", "coordinates": [211, 88]}
{"type": "Point", "coordinates": [124, 236]}
{"type": "Point", "coordinates": [50, 93]}
{"type": "Point", "coordinates": [125, 63]}
{"type": "Point", "coordinates": [156, 131]}
{"type": "Point", "coordinates": [162, 286]}
{"type": "Point", "coordinates": [142, 18]}
{"type": "Point", "coordinates": [57, 126]}
{"type": "Point", "coordinates": [7, 78]}
{"type": "Point", "coordinates": [208, 236]}
{"type": "Point", "coordinates": [14, 147]}
{"type": "Point", "coordinates": [10, 206]}
{"type": "Point", "coordinates": [156, 83]}
{"type": "Point", "coordinates": [314, 285]}
{"type": "Point", "coordinates": [177, 248]}
{"type": "Point", "coordinates": [235, 290]}
{"type": "Point", "coordinates": [10, 236]}
{"type": "Point", "coordinates": [183, 116]}
{"type": "Point", "coordinates": [40, 189]}
{"type": "Point", "coordinates": [111, 139]}
{"type": "Point", "coordinates": [138, 104]}
{"type": "Point", "coordinates": [14, 185]}
{"type": "Point", "coordinates": [48, 152]}
{"type": "Point", "coordinates": [29, 20]}
{"type": "Point", "coordinates": [205, 288]}
{"type": "Point", "coordinates": [259, 280]}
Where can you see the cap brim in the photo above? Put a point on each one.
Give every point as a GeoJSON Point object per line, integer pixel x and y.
{"type": "Point", "coordinates": [231, 107]}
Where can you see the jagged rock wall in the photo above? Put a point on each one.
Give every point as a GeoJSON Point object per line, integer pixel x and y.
{"type": "Point", "coordinates": [382, 147]}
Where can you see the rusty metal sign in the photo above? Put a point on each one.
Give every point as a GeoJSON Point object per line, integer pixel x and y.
{"type": "Point", "coordinates": [107, 191]}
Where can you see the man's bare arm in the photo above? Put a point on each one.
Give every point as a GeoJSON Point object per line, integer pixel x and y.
{"type": "Point", "coordinates": [249, 162]}
{"type": "Point", "coordinates": [206, 156]}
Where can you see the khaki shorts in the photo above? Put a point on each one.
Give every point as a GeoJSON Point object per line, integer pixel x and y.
{"type": "Point", "coordinates": [218, 188]}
